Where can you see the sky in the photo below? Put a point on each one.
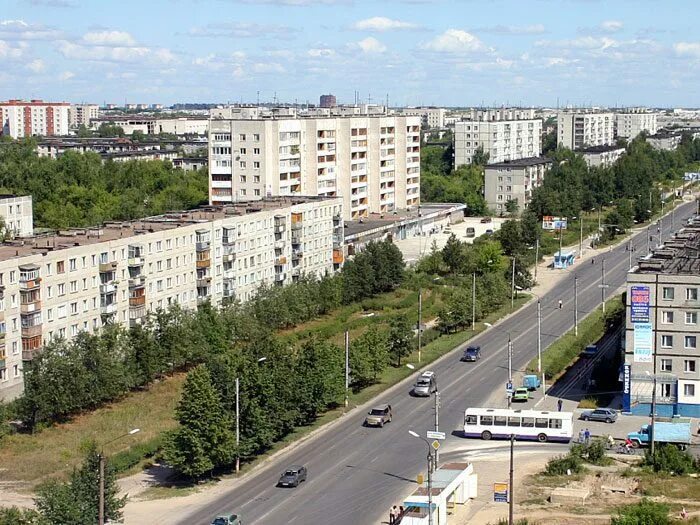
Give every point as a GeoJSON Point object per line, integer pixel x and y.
{"type": "Point", "coordinates": [415, 52]}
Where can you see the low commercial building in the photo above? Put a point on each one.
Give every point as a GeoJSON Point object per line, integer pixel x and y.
{"type": "Point", "coordinates": [80, 279]}
{"type": "Point", "coordinates": [662, 330]}
{"type": "Point", "coordinates": [17, 215]}
{"type": "Point", "coordinates": [633, 121]}
{"type": "Point", "coordinates": [601, 156]}
{"type": "Point", "coordinates": [581, 129]}
{"type": "Point", "coordinates": [20, 118]}
{"type": "Point", "coordinates": [513, 181]}
{"type": "Point", "coordinates": [666, 140]}
{"type": "Point", "coordinates": [190, 163]}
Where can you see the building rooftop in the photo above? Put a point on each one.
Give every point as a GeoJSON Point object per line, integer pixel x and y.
{"type": "Point", "coordinates": [520, 163]}
{"type": "Point", "coordinates": [377, 221]}
{"type": "Point", "coordinates": [678, 256]}
{"type": "Point", "coordinates": [112, 230]}
{"type": "Point", "coordinates": [600, 149]}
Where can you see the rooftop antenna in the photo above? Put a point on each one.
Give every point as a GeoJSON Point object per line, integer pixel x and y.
{"type": "Point", "coordinates": [258, 97]}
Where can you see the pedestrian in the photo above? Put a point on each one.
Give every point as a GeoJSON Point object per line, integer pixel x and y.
{"type": "Point", "coordinates": [400, 514]}
{"type": "Point", "coordinates": [581, 436]}
{"type": "Point", "coordinates": [587, 436]}
{"type": "Point", "coordinates": [392, 515]}
{"type": "Point", "coordinates": [560, 304]}
{"type": "Point", "coordinates": [559, 405]}
{"type": "Point", "coordinates": [684, 514]}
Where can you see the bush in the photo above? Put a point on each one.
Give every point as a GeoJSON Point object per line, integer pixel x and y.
{"type": "Point", "coordinates": [670, 459]}
{"type": "Point", "coordinates": [593, 453]}
{"type": "Point", "coordinates": [562, 465]}
{"type": "Point", "coordinates": [646, 512]}
{"type": "Point", "coordinates": [123, 461]}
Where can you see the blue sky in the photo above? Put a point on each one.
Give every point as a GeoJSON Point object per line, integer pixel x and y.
{"type": "Point", "coordinates": [459, 52]}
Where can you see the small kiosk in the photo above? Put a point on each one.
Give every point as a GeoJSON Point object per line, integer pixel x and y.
{"type": "Point", "coordinates": [564, 259]}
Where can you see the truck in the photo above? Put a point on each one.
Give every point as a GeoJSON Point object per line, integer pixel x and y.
{"type": "Point", "coordinates": [531, 382]}
{"type": "Point", "coordinates": [675, 431]}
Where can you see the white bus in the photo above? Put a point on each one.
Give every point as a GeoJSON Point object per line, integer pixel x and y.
{"type": "Point", "coordinates": [487, 423]}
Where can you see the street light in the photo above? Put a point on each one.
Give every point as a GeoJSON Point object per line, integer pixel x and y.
{"type": "Point", "coordinates": [101, 475]}
{"type": "Point", "coordinates": [430, 478]}
{"type": "Point", "coordinates": [437, 412]}
{"type": "Point", "coordinates": [510, 360]}
{"type": "Point", "coordinates": [238, 420]}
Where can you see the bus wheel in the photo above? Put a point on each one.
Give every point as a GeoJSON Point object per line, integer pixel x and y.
{"type": "Point", "coordinates": [542, 438]}
{"type": "Point", "coordinates": [486, 435]}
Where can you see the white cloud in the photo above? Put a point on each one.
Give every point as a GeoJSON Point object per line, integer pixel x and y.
{"type": "Point", "coordinates": [66, 75]}
{"type": "Point", "coordinates": [611, 26]}
{"type": "Point", "coordinates": [36, 66]}
{"type": "Point", "coordinates": [53, 3]}
{"type": "Point", "coordinates": [381, 23]}
{"type": "Point", "coordinates": [298, 3]}
{"type": "Point", "coordinates": [21, 30]}
{"type": "Point", "coordinates": [110, 38]}
{"type": "Point", "coordinates": [534, 29]}
{"type": "Point", "coordinates": [320, 52]}
{"type": "Point", "coordinates": [584, 42]}
{"type": "Point", "coordinates": [456, 41]}
{"type": "Point", "coordinates": [11, 52]}
{"type": "Point", "coordinates": [241, 30]}
{"type": "Point", "coordinates": [371, 45]}
{"type": "Point", "coordinates": [268, 67]}
{"type": "Point", "coordinates": [687, 49]}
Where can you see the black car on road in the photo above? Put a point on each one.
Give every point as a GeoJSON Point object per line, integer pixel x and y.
{"type": "Point", "coordinates": [292, 476]}
{"type": "Point", "coordinates": [472, 353]}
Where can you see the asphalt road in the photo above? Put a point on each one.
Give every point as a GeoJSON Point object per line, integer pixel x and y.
{"type": "Point", "coordinates": [357, 473]}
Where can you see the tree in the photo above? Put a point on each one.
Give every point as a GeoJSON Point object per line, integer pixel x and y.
{"type": "Point", "coordinates": [511, 237]}
{"type": "Point", "coordinates": [400, 338]}
{"type": "Point", "coordinates": [17, 516]}
{"type": "Point", "coordinates": [646, 512]}
{"type": "Point", "coordinates": [77, 500]}
{"type": "Point", "coordinates": [453, 254]}
{"type": "Point", "coordinates": [480, 158]}
{"type": "Point", "coordinates": [512, 206]}
{"type": "Point", "coordinates": [204, 440]}
{"type": "Point", "coordinates": [319, 377]}
{"type": "Point", "coordinates": [368, 357]}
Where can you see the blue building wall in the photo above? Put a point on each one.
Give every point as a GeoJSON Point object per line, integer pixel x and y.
{"type": "Point", "coordinates": [680, 409]}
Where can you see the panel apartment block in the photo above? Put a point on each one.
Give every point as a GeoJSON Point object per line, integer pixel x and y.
{"type": "Point", "coordinates": [630, 124]}
{"type": "Point", "coordinates": [372, 163]}
{"type": "Point", "coordinates": [513, 181]}
{"type": "Point", "coordinates": [80, 280]}
{"type": "Point", "coordinates": [582, 130]}
{"type": "Point", "coordinates": [19, 118]}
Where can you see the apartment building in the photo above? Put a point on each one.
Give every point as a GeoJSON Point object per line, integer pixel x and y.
{"type": "Point", "coordinates": [372, 163]}
{"type": "Point", "coordinates": [601, 156]}
{"type": "Point", "coordinates": [513, 181]}
{"type": "Point", "coordinates": [634, 121]}
{"type": "Point", "coordinates": [20, 118]}
{"type": "Point", "coordinates": [662, 329]}
{"type": "Point", "coordinates": [81, 279]}
{"type": "Point", "coordinates": [327, 101]}
{"type": "Point", "coordinates": [504, 134]}
{"type": "Point", "coordinates": [82, 114]}
{"type": "Point", "coordinates": [431, 117]}
{"type": "Point", "coordinates": [17, 215]}
{"type": "Point", "coordinates": [666, 140]}
{"type": "Point", "coordinates": [579, 130]}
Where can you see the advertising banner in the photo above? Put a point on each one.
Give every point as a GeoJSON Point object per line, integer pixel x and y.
{"type": "Point", "coordinates": [626, 388]}
{"type": "Point", "coordinates": [500, 492]}
{"type": "Point", "coordinates": [643, 341]}
{"type": "Point", "coordinates": [639, 304]}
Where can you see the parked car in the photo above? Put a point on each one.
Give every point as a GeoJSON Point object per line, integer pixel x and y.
{"type": "Point", "coordinates": [425, 385]}
{"type": "Point", "coordinates": [228, 519]}
{"type": "Point", "coordinates": [471, 232]}
{"type": "Point", "coordinates": [600, 414]}
{"type": "Point", "coordinates": [531, 382]}
{"type": "Point", "coordinates": [472, 353]}
{"type": "Point", "coordinates": [590, 351]}
{"type": "Point", "coordinates": [485, 220]}
{"type": "Point", "coordinates": [521, 394]}
{"type": "Point", "coordinates": [292, 476]}
{"type": "Point", "coordinates": [489, 232]}
{"type": "Point", "coordinates": [378, 416]}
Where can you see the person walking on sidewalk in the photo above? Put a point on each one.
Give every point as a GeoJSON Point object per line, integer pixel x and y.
{"type": "Point", "coordinates": [559, 405]}
{"type": "Point", "coordinates": [560, 304]}
{"type": "Point", "coordinates": [392, 515]}
{"type": "Point", "coordinates": [587, 436]}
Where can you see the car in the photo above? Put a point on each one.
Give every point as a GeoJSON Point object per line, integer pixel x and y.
{"type": "Point", "coordinates": [228, 519]}
{"type": "Point", "coordinates": [292, 476]}
{"type": "Point", "coordinates": [600, 414]}
{"type": "Point", "coordinates": [378, 416]}
{"type": "Point", "coordinates": [590, 351]}
{"type": "Point", "coordinates": [425, 385]}
{"type": "Point", "coordinates": [489, 232]}
{"type": "Point", "coordinates": [471, 232]}
{"type": "Point", "coordinates": [471, 353]}
{"type": "Point", "coordinates": [485, 220]}
{"type": "Point", "coordinates": [521, 394]}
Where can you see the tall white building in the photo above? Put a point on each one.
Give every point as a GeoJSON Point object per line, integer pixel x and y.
{"type": "Point", "coordinates": [79, 280]}
{"type": "Point", "coordinates": [634, 121]}
{"type": "Point", "coordinates": [19, 118]}
{"type": "Point", "coordinates": [372, 163]}
{"type": "Point", "coordinates": [504, 134]}
{"type": "Point", "coordinates": [431, 117]}
{"type": "Point", "coordinates": [579, 130]}
{"type": "Point", "coordinates": [82, 114]}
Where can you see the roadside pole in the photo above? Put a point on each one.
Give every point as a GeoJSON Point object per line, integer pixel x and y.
{"type": "Point", "coordinates": [602, 284]}
{"type": "Point", "coordinates": [537, 251]}
{"type": "Point", "coordinates": [510, 484]}
{"type": "Point", "coordinates": [238, 431]}
{"type": "Point", "coordinates": [474, 301]}
{"type": "Point", "coordinates": [510, 366]}
{"type": "Point", "coordinates": [420, 322]}
{"type": "Point", "coordinates": [347, 367]}
{"type": "Point", "coordinates": [437, 426]}
{"type": "Point", "coordinates": [576, 305]}
{"type": "Point", "coordinates": [512, 286]}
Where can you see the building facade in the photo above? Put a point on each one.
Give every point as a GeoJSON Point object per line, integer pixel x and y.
{"type": "Point", "coordinates": [20, 118]}
{"type": "Point", "coordinates": [17, 215]}
{"type": "Point", "coordinates": [668, 141]}
{"type": "Point", "coordinates": [601, 156]}
{"type": "Point", "coordinates": [505, 135]}
{"type": "Point", "coordinates": [513, 181]}
{"type": "Point", "coordinates": [82, 114]}
{"type": "Point", "coordinates": [662, 329]}
{"type": "Point", "coordinates": [327, 101]}
{"type": "Point", "coordinates": [634, 121]}
{"type": "Point", "coordinates": [79, 280]}
{"type": "Point", "coordinates": [372, 163]}
{"type": "Point", "coordinates": [431, 117]}
{"type": "Point", "coordinates": [578, 130]}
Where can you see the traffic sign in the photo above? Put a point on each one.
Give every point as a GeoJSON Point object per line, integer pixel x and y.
{"type": "Point", "coordinates": [434, 434]}
{"type": "Point", "coordinates": [419, 479]}
{"type": "Point", "coordinates": [509, 387]}
{"type": "Point", "coordinates": [435, 444]}
{"type": "Point", "coordinates": [603, 286]}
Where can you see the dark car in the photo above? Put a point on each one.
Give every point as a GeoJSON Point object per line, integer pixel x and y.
{"type": "Point", "coordinates": [600, 414]}
{"type": "Point", "coordinates": [228, 519]}
{"type": "Point", "coordinates": [590, 351]}
{"type": "Point", "coordinates": [292, 476]}
{"type": "Point", "coordinates": [485, 220]}
{"type": "Point", "coordinates": [472, 353]}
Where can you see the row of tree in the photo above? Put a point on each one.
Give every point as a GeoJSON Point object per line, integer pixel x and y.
{"type": "Point", "coordinates": [79, 190]}
{"type": "Point", "coordinates": [71, 376]}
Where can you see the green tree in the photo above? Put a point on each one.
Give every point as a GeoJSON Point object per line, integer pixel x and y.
{"type": "Point", "coordinates": [204, 440]}
{"type": "Point", "coordinates": [400, 338]}
{"type": "Point", "coordinates": [319, 377]}
{"type": "Point", "coordinates": [453, 254]}
{"type": "Point", "coordinates": [480, 158]}
{"type": "Point", "coordinates": [646, 512]}
{"type": "Point", "coordinates": [512, 206]}
{"type": "Point", "coordinates": [17, 516]}
{"type": "Point", "coordinates": [368, 357]}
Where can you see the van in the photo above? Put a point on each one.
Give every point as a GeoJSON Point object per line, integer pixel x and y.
{"type": "Point", "coordinates": [471, 232]}
{"type": "Point", "coordinates": [425, 385]}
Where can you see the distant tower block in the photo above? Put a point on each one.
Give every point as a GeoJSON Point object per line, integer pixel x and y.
{"type": "Point", "coordinates": [327, 101]}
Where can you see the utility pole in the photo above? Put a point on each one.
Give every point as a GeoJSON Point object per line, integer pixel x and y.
{"type": "Point", "coordinates": [473, 301]}
{"type": "Point", "coordinates": [560, 239]}
{"type": "Point", "coordinates": [576, 305]}
{"type": "Point", "coordinates": [629, 254]}
{"type": "Point", "coordinates": [602, 284]}
{"type": "Point", "coordinates": [539, 337]}
{"type": "Point", "coordinates": [238, 429]}
{"type": "Point", "coordinates": [430, 488]}
{"type": "Point", "coordinates": [420, 322]}
{"type": "Point", "coordinates": [512, 286]}
{"type": "Point", "coordinates": [510, 484]}
{"type": "Point", "coordinates": [347, 366]}
{"type": "Point", "coordinates": [580, 239]}
{"type": "Point", "coordinates": [510, 366]}
{"type": "Point", "coordinates": [437, 426]}
{"type": "Point", "coordinates": [649, 238]}
{"type": "Point", "coordinates": [537, 251]}
{"type": "Point", "coordinates": [652, 435]}
{"type": "Point", "coordinates": [101, 502]}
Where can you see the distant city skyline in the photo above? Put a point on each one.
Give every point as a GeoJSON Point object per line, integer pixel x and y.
{"type": "Point", "coordinates": [418, 52]}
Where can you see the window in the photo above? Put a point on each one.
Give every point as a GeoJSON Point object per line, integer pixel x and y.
{"type": "Point", "coordinates": [691, 318]}
{"type": "Point", "coordinates": [666, 365]}
{"type": "Point", "coordinates": [689, 365]}
{"type": "Point", "coordinates": [243, 151]}
{"type": "Point", "coordinates": [667, 317]}
{"type": "Point", "coordinates": [256, 165]}
{"type": "Point", "coordinates": [513, 421]}
{"type": "Point", "coordinates": [541, 422]}
{"type": "Point", "coordinates": [241, 136]}
{"type": "Point", "coordinates": [256, 151]}
{"type": "Point", "coordinates": [499, 421]}
{"type": "Point", "coordinates": [73, 286]}
{"type": "Point", "coordinates": [691, 294]}
{"type": "Point", "coordinates": [528, 422]}
{"type": "Point", "coordinates": [487, 420]}
{"type": "Point", "coordinates": [73, 265]}
{"type": "Point", "coordinates": [666, 341]}
{"type": "Point", "coordinates": [60, 267]}
{"type": "Point", "coordinates": [689, 390]}
{"type": "Point", "coordinates": [73, 308]}
{"type": "Point", "coordinates": [61, 289]}
{"type": "Point", "coordinates": [690, 341]}
{"type": "Point", "coordinates": [470, 420]}
{"type": "Point", "coordinates": [555, 423]}
{"type": "Point", "coordinates": [667, 293]}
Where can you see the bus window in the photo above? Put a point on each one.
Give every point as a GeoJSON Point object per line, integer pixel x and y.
{"type": "Point", "coordinates": [487, 420]}
{"type": "Point", "coordinates": [499, 421]}
{"type": "Point", "coordinates": [541, 422]}
{"type": "Point", "coordinates": [529, 422]}
{"type": "Point", "coordinates": [555, 423]}
{"type": "Point", "coordinates": [513, 421]}
{"type": "Point", "coordinates": [470, 420]}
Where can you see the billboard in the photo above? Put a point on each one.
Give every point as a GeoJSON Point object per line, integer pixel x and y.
{"type": "Point", "coordinates": [553, 223]}
{"type": "Point", "coordinates": [639, 304]}
{"type": "Point", "coordinates": [500, 492]}
{"type": "Point", "coordinates": [643, 340]}
{"type": "Point", "coordinates": [626, 390]}
{"type": "Point", "coordinates": [692, 176]}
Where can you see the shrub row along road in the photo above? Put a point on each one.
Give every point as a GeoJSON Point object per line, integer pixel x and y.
{"type": "Point", "coordinates": [357, 473]}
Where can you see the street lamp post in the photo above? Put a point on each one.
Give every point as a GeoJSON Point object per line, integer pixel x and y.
{"type": "Point", "coordinates": [537, 252]}
{"type": "Point", "coordinates": [101, 475]}
{"type": "Point", "coordinates": [474, 301]}
{"type": "Point", "coordinates": [576, 305]}
{"type": "Point", "coordinates": [420, 322]}
{"type": "Point", "coordinates": [347, 367]}
{"type": "Point", "coordinates": [430, 478]}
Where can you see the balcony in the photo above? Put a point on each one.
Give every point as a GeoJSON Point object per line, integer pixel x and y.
{"type": "Point", "coordinates": [280, 277]}
{"type": "Point", "coordinates": [297, 254]}
{"type": "Point", "coordinates": [108, 266]}
{"type": "Point", "coordinates": [136, 261]}
{"type": "Point", "coordinates": [338, 257]}
{"type": "Point", "coordinates": [280, 244]}
{"type": "Point", "coordinates": [229, 274]}
{"type": "Point", "coordinates": [281, 260]}
{"type": "Point", "coordinates": [108, 309]}
{"type": "Point", "coordinates": [30, 353]}
{"type": "Point", "coordinates": [137, 301]}
{"type": "Point", "coordinates": [30, 307]}
{"type": "Point", "coordinates": [138, 281]}
{"type": "Point", "coordinates": [337, 218]}
{"type": "Point", "coordinates": [296, 272]}
{"type": "Point", "coordinates": [108, 287]}
{"type": "Point", "coordinates": [31, 331]}
{"type": "Point", "coordinates": [202, 246]}
{"type": "Point", "coordinates": [203, 282]}
{"type": "Point", "coordinates": [203, 263]}
{"type": "Point", "coordinates": [296, 226]}
{"type": "Point", "coordinates": [280, 227]}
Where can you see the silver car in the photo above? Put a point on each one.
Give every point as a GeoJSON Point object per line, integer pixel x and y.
{"type": "Point", "coordinates": [425, 385]}
{"type": "Point", "coordinates": [600, 414]}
